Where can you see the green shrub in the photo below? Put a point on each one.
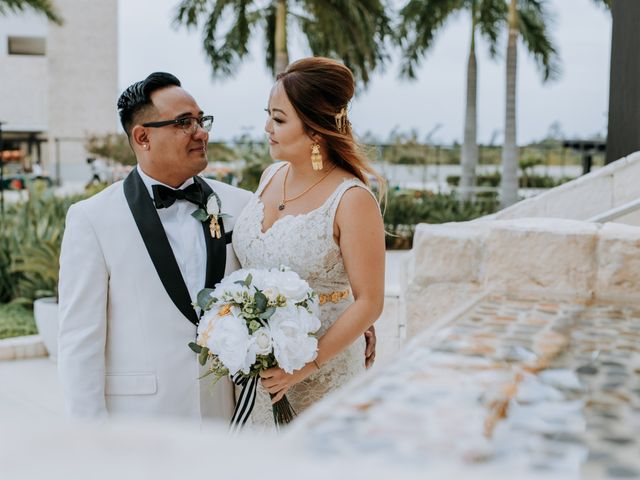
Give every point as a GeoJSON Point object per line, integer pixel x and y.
{"type": "Point", "coordinates": [16, 321]}
{"type": "Point", "coordinates": [404, 209]}
{"type": "Point", "coordinates": [256, 158]}
{"type": "Point", "coordinates": [30, 245]}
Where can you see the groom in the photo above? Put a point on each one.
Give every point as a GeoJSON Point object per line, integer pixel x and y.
{"type": "Point", "coordinates": [133, 259]}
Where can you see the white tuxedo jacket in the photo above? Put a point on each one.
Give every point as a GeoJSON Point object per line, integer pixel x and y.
{"type": "Point", "coordinates": [125, 312]}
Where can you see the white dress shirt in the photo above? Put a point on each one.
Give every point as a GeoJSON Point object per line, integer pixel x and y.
{"type": "Point", "coordinates": [185, 236]}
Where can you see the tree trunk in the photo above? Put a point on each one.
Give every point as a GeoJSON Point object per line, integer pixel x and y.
{"type": "Point", "coordinates": [509, 181]}
{"type": "Point", "coordinates": [282, 56]}
{"type": "Point", "coordinates": [469, 154]}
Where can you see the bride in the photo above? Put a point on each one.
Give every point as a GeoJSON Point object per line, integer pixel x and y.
{"type": "Point", "coordinates": [314, 213]}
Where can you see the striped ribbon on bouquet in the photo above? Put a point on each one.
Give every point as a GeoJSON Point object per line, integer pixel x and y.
{"type": "Point", "coordinates": [245, 402]}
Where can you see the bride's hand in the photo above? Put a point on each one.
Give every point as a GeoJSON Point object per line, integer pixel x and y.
{"type": "Point", "coordinates": [277, 382]}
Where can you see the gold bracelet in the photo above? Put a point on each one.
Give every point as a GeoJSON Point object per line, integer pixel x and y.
{"type": "Point", "coordinates": [316, 364]}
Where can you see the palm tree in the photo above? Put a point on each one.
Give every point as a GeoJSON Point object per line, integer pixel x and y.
{"type": "Point", "coordinates": [421, 20]}
{"type": "Point", "coordinates": [606, 3]}
{"type": "Point", "coordinates": [354, 31]}
{"type": "Point", "coordinates": [527, 19]}
{"type": "Point", "coordinates": [44, 7]}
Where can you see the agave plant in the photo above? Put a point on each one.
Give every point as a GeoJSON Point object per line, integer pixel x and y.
{"type": "Point", "coordinates": [31, 246]}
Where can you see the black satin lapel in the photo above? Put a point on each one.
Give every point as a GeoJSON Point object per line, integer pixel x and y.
{"type": "Point", "coordinates": [216, 247]}
{"type": "Point", "coordinates": [157, 243]}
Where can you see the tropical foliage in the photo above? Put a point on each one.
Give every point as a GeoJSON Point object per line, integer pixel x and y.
{"type": "Point", "coordinates": [353, 31]}
{"type": "Point", "coordinates": [45, 7]}
{"type": "Point", "coordinates": [30, 245]}
{"type": "Point", "coordinates": [112, 146]}
{"type": "Point", "coordinates": [404, 209]}
{"type": "Point", "coordinates": [421, 21]}
{"type": "Point", "coordinates": [16, 321]}
{"type": "Point", "coordinates": [528, 20]}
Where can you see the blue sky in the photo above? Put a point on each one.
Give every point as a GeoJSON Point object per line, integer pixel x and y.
{"type": "Point", "coordinates": [578, 101]}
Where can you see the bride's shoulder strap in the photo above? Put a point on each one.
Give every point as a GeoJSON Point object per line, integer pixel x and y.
{"type": "Point", "coordinates": [340, 191]}
{"type": "Point", "coordinates": [268, 174]}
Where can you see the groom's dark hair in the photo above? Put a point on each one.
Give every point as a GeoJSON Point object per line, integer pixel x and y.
{"type": "Point", "coordinates": [136, 99]}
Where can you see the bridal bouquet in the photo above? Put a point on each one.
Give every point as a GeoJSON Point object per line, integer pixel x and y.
{"type": "Point", "coordinates": [254, 320]}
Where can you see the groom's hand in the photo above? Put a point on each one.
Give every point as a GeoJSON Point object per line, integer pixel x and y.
{"type": "Point", "coordinates": [370, 350]}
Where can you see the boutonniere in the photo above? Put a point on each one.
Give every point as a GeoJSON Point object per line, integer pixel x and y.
{"type": "Point", "coordinates": [212, 213]}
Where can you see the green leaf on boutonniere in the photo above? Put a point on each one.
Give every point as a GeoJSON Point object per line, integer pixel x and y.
{"type": "Point", "coordinates": [205, 299]}
{"type": "Point", "coordinates": [200, 215]}
{"type": "Point", "coordinates": [202, 358]}
{"type": "Point", "coordinates": [195, 347]}
{"type": "Point", "coordinates": [261, 301]}
{"type": "Point", "coordinates": [247, 281]}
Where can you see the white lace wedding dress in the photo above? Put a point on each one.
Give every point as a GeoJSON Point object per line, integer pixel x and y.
{"type": "Point", "coordinates": [305, 244]}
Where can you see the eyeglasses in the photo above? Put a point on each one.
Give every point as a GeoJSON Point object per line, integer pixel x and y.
{"type": "Point", "coordinates": [189, 125]}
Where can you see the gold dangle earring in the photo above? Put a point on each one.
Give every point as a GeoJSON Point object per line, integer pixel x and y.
{"type": "Point", "coordinates": [316, 157]}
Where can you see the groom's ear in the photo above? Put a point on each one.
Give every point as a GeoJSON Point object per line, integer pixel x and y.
{"type": "Point", "coordinates": [139, 136]}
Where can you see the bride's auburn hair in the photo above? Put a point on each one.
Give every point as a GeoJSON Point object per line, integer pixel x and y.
{"type": "Point", "coordinates": [319, 89]}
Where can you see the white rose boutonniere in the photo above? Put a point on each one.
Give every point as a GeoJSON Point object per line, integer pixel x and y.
{"type": "Point", "coordinates": [212, 213]}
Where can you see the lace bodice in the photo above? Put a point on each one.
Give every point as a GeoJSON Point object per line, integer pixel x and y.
{"type": "Point", "coordinates": [304, 243]}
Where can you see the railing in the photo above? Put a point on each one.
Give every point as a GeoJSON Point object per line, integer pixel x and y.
{"type": "Point", "coordinates": [616, 212]}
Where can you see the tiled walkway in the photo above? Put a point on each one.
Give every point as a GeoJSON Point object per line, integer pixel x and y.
{"type": "Point", "coordinates": [518, 385]}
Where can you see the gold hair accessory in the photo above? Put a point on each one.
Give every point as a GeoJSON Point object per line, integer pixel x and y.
{"type": "Point", "coordinates": [341, 120]}
{"type": "Point", "coordinates": [316, 157]}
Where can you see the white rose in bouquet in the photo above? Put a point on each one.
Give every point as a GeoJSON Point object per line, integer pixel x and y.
{"type": "Point", "coordinates": [292, 286]}
{"type": "Point", "coordinates": [254, 320]}
{"type": "Point", "coordinates": [309, 322]}
{"type": "Point", "coordinates": [230, 341]}
{"type": "Point", "coordinates": [206, 326]}
{"type": "Point", "coordinates": [293, 347]}
{"type": "Point", "coordinates": [261, 342]}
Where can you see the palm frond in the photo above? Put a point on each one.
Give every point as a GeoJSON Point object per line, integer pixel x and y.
{"type": "Point", "coordinates": [225, 52]}
{"type": "Point", "coordinates": [355, 32]}
{"type": "Point", "coordinates": [492, 17]}
{"type": "Point", "coordinates": [420, 21]}
{"type": "Point", "coordinates": [604, 3]}
{"type": "Point", "coordinates": [533, 24]}
{"type": "Point", "coordinates": [270, 38]}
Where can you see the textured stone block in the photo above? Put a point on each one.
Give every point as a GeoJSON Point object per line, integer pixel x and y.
{"type": "Point", "coordinates": [541, 254]}
{"type": "Point", "coordinates": [618, 254]}
{"type": "Point", "coordinates": [425, 306]}
{"type": "Point", "coordinates": [450, 252]}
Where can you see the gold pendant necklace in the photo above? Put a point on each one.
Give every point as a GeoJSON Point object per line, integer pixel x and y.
{"type": "Point", "coordinates": [286, 200]}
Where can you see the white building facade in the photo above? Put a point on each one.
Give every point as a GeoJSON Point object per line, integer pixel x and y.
{"type": "Point", "coordinates": [58, 84]}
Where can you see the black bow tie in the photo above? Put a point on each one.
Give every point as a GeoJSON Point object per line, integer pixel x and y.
{"type": "Point", "coordinates": [164, 197]}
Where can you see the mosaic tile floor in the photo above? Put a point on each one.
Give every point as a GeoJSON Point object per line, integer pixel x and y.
{"type": "Point", "coordinates": [520, 384]}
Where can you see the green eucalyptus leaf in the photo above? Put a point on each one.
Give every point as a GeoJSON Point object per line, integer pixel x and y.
{"type": "Point", "coordinates": [204, 298]}
{"type": "Point", "coordinates": [195, 347]}
{"type": "Point", "coordinates": [202, 358]}
{"type": "Point", "coordinates": [267, 313]}
{"type": "Point", "coordinates": [261, 301]}
{"type": "Point", "coordinates": [200, 215]}
{"type": "Point", "coordinates": [247, 281]}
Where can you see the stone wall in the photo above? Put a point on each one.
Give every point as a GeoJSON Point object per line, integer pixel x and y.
{"type": "Point", "coordinates": [587, 196]}
{"type": "Point", "coordinates": [451, 263]}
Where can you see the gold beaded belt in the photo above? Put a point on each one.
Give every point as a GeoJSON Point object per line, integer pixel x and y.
{"type": "Point", "coordinates": [333, 297]}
